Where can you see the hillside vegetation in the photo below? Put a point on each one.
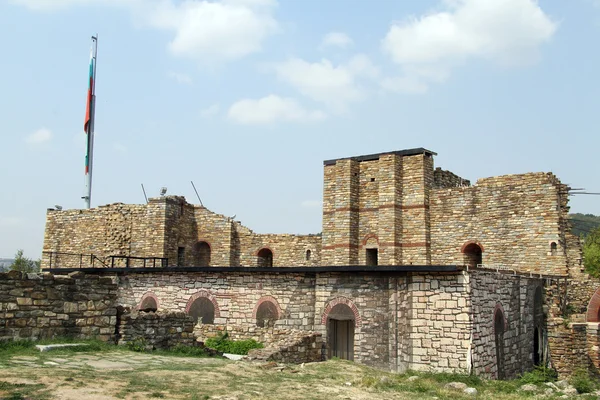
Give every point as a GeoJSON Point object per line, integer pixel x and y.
{"type": "Point", "coordinates": [583, 224]}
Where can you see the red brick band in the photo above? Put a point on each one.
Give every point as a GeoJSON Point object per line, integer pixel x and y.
{"type": "Point", "coordinates": [382, 207]}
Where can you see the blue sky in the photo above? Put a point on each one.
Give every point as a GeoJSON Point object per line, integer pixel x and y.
{"type": "Point", "coordinates": [247, 97]}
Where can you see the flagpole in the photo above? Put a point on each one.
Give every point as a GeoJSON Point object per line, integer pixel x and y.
{"type": "Point", "coordinates": [90, 125]}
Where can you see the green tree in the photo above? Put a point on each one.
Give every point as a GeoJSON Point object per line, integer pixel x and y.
{"type": "Point", "coordinates": [24, 264]}
{"type": "Point", "coordinates": [591, 252]}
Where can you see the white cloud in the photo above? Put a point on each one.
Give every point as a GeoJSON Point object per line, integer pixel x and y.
{"type": "Point", "coordinates": [207, 31]}
{"type": "Point", "coordinates": [210, 111]}
{"type": "Point", "coordinates": [336, 39]}
{"type": "Point", "coordinates": [40, 136]}
{"type": "Point", "coordinates": [178, 77]}
{"type": "Point", "coordinates": [271, 109]}
{"type": "Point", "coordinates": [509, 32]}
{"type": "Point", "coordinates": [335, 86]}
{"type": "Point", "coordinates": [213, 31]}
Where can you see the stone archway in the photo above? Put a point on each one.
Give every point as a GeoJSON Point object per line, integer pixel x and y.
{"type": "Point", "coordinates": [148, 302]}
{"type": "Point", "coordinates": [203, 307]}
{"type": "Point", "coordinates": [266, 312]}
{"type": "Point", "coordinates": [593, 308]}
{"type": "Point", "coordinates": [340, 318]}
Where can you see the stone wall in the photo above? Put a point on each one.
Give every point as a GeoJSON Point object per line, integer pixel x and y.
{"type": "Point", "coordinates": [568, 346]}
{"type": "Point", "coordinates": [281, 345]}
{"type": "Point", "coordinates": [415, 321]}
{"type": "Point", "coordinates": [378, 202]}
{"type": "Point", "coordinates": [156, 330]}
{"type": "Point", "coordinates": [513, 296]}
{"type": "Point", "coordinates": [167, 227]}
{"type": "Point", "coordinates": [513, 218]}
{"type": "Point", "coordinates": [446, 179]}
{"type": "Point", "coordinates": [438, 323]}
{"type": "Point", "coordinates": [43, 306]}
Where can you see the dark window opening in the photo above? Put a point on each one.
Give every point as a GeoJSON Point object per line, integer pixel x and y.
{"type": "Point", "coordinates": [202, 254]}
{"type": "Point", "coordinates": [266, 315]}
{"type": "Point", "coordinates": [372, 257]}
{"type": "Point", "coordinates": [265, 258]}
{"type": "Point", "coordinates": [203, 311]}
{"type": "Point", "coordinates": [553, 248]}
{"type": "Point", "coordinates": [473, 255]}
{"type": "Point", "coordinates": [148, 304]}
{"type": "Point", "coordinates": [372, 179]}
{"type": "Point", "coordinates": [180, 256]}
{"type": "Point", "coordinates": [307, 255]}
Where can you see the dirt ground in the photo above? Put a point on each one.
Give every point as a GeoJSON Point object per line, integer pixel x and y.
{"type": "Point", "coordinates": [125, 375]}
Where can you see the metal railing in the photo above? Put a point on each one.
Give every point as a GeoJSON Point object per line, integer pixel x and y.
{"type": "Point", "coordinates": [56, 260]}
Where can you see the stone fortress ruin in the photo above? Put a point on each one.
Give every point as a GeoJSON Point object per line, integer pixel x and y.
{"type": "Point", "coordinates": [415, 268]}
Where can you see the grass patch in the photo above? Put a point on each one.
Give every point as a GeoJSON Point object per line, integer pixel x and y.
{"type": "Point", "coordinates": [224, 345]}
{"type": "Point", "coordinates": [582, 381]}
{"type": "Point", "coordinates": [183, 351]}
{"type": "Point", "coordinates": [21, 391]}
{"type": "Point", "coordinates": [538, 375]}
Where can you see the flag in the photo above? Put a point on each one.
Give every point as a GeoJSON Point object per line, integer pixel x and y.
{"type": "Point", "coordinates": [90, 94]}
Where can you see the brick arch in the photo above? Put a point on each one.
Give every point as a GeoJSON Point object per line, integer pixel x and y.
{"type": "Point", "coordinates": [265, 299]}
{"type": "Point", "coordinates": [144, 297]}
{"type": "Point", "coordinates": [469, 242]}
{"type": "Point", "coordinates": [593, 308]}
{"type": "Point", "coordinates": [368, 237]}
{"type": "Point", "coordinates": [342, 300]}
{"type": "Point", "coordinates": [500, 309]}
{"type": "Point", "coordinates": [209, 296]}
{"type": "Point", "coordinates": [264, 248]}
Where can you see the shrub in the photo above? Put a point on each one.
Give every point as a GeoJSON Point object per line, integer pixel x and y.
{"type": "Point", "coordinates": [224, 345]}
{"type": "Point", "coordinates": [582, 382]}
{"type": "Point", "coordinates": [539, 374]}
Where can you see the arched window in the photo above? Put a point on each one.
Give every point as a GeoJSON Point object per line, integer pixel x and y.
{"type": "Point", "coordinates": [203, 310]}
{"type": "Point", "coordinates": [148, 303]}
{"type": "Point", "coordinates": [553, 248]}
{"type": "Point", "coordinates": [202, 254]}
{"type": "Point", "coordinates": [307, 255]}
{"type": "Point", "coordinates": [472, 254]}
{"type": "Point", "coordinates": [265, 258]}
{"type": "Point", "coordinates": [266, 314]}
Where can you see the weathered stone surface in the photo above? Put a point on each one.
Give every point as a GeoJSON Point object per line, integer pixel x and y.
{"type": "Point", "coordinates": [41, 308]}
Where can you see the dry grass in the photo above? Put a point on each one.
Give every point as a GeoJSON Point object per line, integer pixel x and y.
{"type": "Point", "coordinates": [128, 375]}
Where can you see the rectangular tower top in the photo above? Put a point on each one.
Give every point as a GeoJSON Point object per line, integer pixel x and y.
{"type": "Point", "coordinates": [372, 157]}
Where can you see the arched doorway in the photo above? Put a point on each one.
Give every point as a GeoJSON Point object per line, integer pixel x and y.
{"type": "Point", "coordinates": [473, 254]}
{"type": "Point", "coordinates": [202, 254]}
{"type": "Point", "coordinates": [538, 327]}
{"type": "Point", "coordinates": [340, 332]}
{"type": "Point", "coordinates": [264, 257]}
{"type": "Point", "coordinates": [202, 310]}
{"type": "Point", "coordinates": [266, 314]}
{"type": "Point", "coordinates": [499, 341]}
